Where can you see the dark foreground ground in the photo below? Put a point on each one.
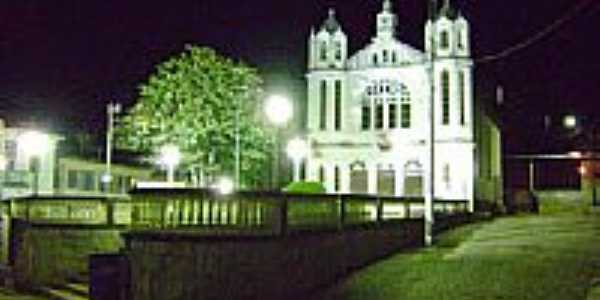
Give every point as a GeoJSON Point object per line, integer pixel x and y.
{"type": "Point", "coordinates": [554, 256]}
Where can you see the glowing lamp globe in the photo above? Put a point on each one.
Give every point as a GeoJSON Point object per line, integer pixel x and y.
{"type": "Point", "coordinates": [279, 110]}
{"type": "Point", "coordinates": [170, 155]}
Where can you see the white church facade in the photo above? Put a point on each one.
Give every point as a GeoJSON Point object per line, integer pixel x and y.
{"type": "Point", "coordinates": [367, 112]}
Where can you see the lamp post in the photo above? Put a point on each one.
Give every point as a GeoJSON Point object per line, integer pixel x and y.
{"type": "Point", "coordinates": [34, 145]}
{"type": "Point", "coordinates": [279, 111]}
{"type": "Point", "coordinates": [170, 156]}
{"type": "Point", "coordinates": [111, 110]}
{"type": "Point", "coordinates": [297, 150]}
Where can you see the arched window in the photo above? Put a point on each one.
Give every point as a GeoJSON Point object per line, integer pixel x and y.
{"type": "Point", "coordinates": [338, 51]}
{"type": "Point", "coordinates": [445, 97]}
{"type": "Point", "coordinates": [405, 107]}
{"type": "Point", "coordinates": [383, 103]}
{"type": "Point", "coordinates": [385, 56]}
{"type": "Point", "coordinates": [444, 40]}
{"type": "Point", "coordinates": [460, 42]}
{"type": "Point", "coordinates": [375, 59]}
{"type": "Point", "coordinates": [323, 51]}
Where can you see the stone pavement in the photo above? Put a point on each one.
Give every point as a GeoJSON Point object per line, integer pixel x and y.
{"type": "Point", "coordinates": [6, 294]}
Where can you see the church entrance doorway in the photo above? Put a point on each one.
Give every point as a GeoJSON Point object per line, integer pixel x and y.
{"type": "Point", "coordinates": [386, 182]}
{"type": "Point", "coordinates": [359, 178]}
{"type": "Point", "coordinates": [413, 179]}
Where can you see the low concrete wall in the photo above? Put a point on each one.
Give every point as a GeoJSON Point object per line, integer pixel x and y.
{"type": "Point", "coordinates": [188, 266]}
{"type": "Point", "coordinates": [53, 255]}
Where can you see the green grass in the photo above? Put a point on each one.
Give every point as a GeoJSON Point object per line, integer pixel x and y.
{"type": "Point", "coordinates": [524, 257]}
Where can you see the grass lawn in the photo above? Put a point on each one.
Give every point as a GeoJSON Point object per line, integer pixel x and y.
{"type": "Point", "coordinates": [6, 294]}
{"type": "Point", "coordinates": [525, 257]}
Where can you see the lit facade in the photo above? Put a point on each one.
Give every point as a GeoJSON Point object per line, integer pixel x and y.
{"type": "Point", "coordinates": [367, 114]}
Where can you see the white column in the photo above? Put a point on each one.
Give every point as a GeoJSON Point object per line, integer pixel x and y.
{"type": "Point", "coordinates": [399, 178]}
{"type": "Point", "coordinates": [469, 104]}
{"type": "Point", "coordinates": [372, 178]}
{"type": "Point", "coordinates": [345, 178]}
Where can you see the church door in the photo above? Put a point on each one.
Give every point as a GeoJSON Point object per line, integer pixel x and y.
{"type": "Point", "coordinates": [413, 179]}
{"type": "Point", "coordinates": [386, 182]}
{"type": "Point", "coordinates": [359, 179]}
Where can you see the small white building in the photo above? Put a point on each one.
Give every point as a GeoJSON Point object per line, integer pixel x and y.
{"type": "Point", "coordinates": [27, 162]}
{"type": "Point", "coordinates": [368, 111]}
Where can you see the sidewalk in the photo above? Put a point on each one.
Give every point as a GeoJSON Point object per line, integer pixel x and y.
{"type": "Point", "coordinates": [6, 294]}
{"type": "Point", "coordinates": [526, 257]}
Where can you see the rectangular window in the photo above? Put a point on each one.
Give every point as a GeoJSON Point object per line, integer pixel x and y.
{"type": "Point", "coordinates": [338, 51]}
{"type": "Point", "coordinates": [393, 116]}
{"type": "Point", "coordinates": [338, 105]}
{"type": "Point", "coordinates": [445, 98]}
{"type": "Point", "coordinates": [72, 179]}
{"type": "Point", "coordinates": [323, 101]}
{"type": "Point", "coordinates": [405, 115]}
{"type": "Point", "coordinates": [379, 116]}
{"type": "Point", "coordinates": [461, 87]}
{"type": "Point", "coordinates": [385, 56]}
{"type": "Point", "coordinates": [366, 117]}
{"type": "Point", "coordinates": [88, 181]}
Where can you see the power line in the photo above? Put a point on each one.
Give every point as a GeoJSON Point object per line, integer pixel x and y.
{"type": "Point", "coordinates": [538, 36]}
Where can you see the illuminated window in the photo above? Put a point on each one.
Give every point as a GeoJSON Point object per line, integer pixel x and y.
{"type": "Point", "coordinates": [445, 98]}
{"type": "Point", "coordinates": [444, 40]}
{"type": "Point", "coordinates": [323, 100]}
{"type": "Point", "coordinates": [461, 87]}
{"type": "Point", "coordinates": [338, 105]}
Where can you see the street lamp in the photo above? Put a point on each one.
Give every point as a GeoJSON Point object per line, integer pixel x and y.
{"type": "Point", "coordinates": [279, 111]}
{"type": "Point", "coordinates": [34, 145]}
{"type": "Point", "coordinates": [297, 150]}
{"type": "Point", "coordinates": [170, 156]}
{"type": "Point", "coordinates": [225, 186]}
{"type": "Point", "coordinates": [570, 122]}
{"type": "Point", "coordinates": [111, 110]}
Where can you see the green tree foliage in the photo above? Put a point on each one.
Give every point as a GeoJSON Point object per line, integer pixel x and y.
{"type": "Point", "coordinates": [192, 101]}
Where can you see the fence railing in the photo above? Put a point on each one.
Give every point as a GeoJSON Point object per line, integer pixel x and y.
{"type": "Point", "coordinates": [274, 213]}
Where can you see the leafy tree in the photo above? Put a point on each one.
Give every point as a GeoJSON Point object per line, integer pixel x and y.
{"type": "Point", "coordinates": [193, 101]}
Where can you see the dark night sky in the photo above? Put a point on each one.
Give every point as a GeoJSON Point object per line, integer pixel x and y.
{"type": "Point", "coordinates": [61, 61]}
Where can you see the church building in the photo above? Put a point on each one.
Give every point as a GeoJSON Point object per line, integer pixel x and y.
{"type": "Point", "coordinates": [368, 112]}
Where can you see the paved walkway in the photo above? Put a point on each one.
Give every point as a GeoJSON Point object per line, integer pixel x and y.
{"type": "Point", "coordinates": [6, 294]}
{"type": "Point", "coordinates": [526, 257]}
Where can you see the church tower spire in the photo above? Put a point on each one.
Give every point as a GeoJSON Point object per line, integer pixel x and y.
{"type": "Point", "coordinates": [386, 22]}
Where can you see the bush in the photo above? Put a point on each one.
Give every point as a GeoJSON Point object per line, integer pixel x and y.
{"type": "Point", "coordinates": [305, 187]}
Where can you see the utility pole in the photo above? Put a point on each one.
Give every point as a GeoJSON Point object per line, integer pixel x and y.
{"type": "Point", "coordinates": [111, 110]}
{"type": "Point", "coordinates": [430, 164]}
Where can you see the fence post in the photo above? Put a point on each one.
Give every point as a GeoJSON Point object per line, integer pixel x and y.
{"type": "Point", "coordinates": [110, 212]}
{"type": "Point", "coordinates": [281, 221]}
{"type": "Point", "coordinates": [406, 208]}
{"type": "Point", "coordinates": [379, 210]}
{"type": "Point", "coordinates": [341, 211]}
